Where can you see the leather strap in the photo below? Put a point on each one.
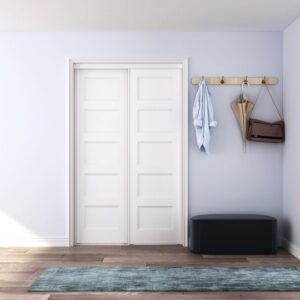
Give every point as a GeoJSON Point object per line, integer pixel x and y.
{"type": "Point", "coordinates": [272, 99]}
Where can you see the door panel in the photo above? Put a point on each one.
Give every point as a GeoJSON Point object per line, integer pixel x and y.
{"type": "Point", "coordinates": [155, 156]}
{"type": "Point", "coordinates": [101, 156]}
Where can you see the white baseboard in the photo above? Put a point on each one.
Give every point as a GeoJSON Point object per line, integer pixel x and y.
{"type": "Point", "coordinates": [291, 248]}
{"type": "Point", "coordinates": [35, 242]}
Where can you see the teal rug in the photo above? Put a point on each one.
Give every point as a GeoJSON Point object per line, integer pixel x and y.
{"type": "Point", "coordinates": [161, 279]}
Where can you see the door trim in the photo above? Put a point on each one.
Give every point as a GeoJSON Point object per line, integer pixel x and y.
{"type": "Point", "coordinates": [74, 64]}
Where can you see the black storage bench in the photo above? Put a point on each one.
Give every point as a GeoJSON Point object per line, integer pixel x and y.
{"type": "Point", "coordinates": [233, 234]}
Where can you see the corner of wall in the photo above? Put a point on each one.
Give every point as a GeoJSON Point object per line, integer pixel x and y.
{"type": "Point", "coordinates": [291, 163]}
{"type": "Point", "coordinates": [291, 248]}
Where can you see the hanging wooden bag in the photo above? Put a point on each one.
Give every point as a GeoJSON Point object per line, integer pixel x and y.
{"type": "Point", "coordinates": [266, 132]}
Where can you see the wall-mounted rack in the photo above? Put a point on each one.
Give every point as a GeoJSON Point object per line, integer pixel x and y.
{"type": "Point", "coordinates": [222, 80]}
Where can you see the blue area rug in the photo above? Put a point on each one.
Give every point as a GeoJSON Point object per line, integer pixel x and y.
{"type": "Point", "coordinates": [161, 279]}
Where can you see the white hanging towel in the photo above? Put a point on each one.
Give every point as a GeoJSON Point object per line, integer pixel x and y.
{"type": "Point", "coordinates": [203, 114]}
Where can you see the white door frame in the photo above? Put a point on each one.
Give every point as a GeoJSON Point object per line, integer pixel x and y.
{"type": "Point", "coordinates": [121, 64]}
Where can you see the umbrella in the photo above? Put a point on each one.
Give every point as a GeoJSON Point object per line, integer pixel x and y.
{"type": "Point", "coordinates": [241, 108]}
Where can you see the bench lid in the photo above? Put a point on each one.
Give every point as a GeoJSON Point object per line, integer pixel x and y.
{"type": "Point", "coordinates": [233, 217]}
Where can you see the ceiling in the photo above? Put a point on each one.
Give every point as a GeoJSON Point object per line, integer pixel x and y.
{"type": "Point", "coordinates": [147, 15]}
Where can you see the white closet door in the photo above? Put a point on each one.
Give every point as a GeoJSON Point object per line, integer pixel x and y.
{"type": "Point", "coordinates": [101, 156]}
{"type": "Point", "coordinates": [155, 156]}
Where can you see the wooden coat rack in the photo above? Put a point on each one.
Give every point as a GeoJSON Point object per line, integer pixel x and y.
{"type": "Point", "coordinates": [235, 80]}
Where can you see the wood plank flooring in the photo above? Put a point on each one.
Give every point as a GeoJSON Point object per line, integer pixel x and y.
{"type": "Point", "coordinates": [20, 267]}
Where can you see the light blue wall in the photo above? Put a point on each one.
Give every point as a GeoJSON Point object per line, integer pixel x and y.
{"type": "Point", "coordinates": [34, 122]}
{"type": "Point", "coordinates": [291, 186]}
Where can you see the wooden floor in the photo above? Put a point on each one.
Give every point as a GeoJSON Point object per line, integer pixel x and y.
{"type": "Point", "coordinates": [20, 267]}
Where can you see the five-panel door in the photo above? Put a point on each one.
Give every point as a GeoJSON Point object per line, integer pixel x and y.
{"type": "Point", "coordinates": [128, 156]}
{"type": "Point", "coordinates": [155, 156]}
{"type": "Point", "coordinates": [101, 156]}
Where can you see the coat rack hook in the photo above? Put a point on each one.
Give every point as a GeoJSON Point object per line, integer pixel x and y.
{"type": "Point", "coordinates": [264, 81]}
{"type": "Point", "coordinates": [222, 80]}
{"type": "Point", "coordinates": [246, 80]}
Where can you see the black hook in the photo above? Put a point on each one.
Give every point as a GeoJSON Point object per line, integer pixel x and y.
{"type": "Point", "coordinates": [222, 80]}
